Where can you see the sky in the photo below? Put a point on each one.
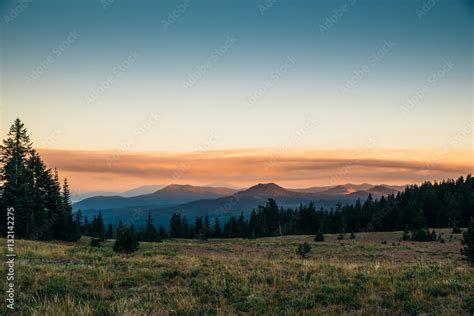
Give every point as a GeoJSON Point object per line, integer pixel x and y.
{"type": "Point", "coordinates": [123, 93]}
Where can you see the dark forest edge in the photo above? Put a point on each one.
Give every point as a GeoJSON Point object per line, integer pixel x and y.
{"type": "Point", "coordinates": [43, 209]}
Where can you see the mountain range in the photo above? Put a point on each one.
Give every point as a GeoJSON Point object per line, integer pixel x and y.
{"type": "Point", "coordinates": [222, 201]}
{"type": "Point", "coordinates": [145, 189]}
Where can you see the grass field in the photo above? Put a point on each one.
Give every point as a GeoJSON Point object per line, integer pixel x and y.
{"type": "Point", "coordinates": [374, 274]}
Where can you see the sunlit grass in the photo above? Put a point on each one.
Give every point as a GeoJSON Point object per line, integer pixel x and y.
{"type": "Point", "coordinates": [262, 276]}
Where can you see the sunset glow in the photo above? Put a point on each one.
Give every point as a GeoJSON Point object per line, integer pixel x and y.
{"type": "Point", "coordinates": [107, 170]}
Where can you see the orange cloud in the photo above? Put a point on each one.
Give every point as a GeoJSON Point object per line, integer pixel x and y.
{"type": "Point", "coordinates": [107, 170]}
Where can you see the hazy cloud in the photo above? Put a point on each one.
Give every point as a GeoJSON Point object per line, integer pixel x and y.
{"type": "Point", "coordinates": [88, 170]}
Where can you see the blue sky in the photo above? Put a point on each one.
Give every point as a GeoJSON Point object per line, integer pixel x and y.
{"type": "Point", "coordinates": [249, 74]}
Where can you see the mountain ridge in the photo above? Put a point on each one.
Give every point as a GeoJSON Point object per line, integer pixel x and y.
{"type": "Point", "coordinates": [222, 206]}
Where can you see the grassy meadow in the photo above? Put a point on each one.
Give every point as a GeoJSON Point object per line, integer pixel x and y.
{"type": "Point", "coordinates": [374, 274]}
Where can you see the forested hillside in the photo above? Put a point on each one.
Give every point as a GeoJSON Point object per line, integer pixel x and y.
{"type": "Point", "coordinates": [446, 204]}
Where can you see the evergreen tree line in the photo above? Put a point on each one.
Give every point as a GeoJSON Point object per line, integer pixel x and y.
{"type": "Point", "coordinates": [201, 229]}
{"type": "Point", "coordinates": [42, 206]}
{"type": "Point", "coordinates": [97, 229]}
{"type": "Point", "coordinates": [446, 204]}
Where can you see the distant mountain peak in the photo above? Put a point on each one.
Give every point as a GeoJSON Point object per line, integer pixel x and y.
{"type": "Point", "coordinates": [382, 190]}
{"type": "Point", "coordinates": [188, 188]}
{"type": "Point", "coordinates": [169, 195]}
{"type": "Point", "coordinates": [267, 189]}
{"type": "Point", "coordinates": [267, 185]}
{"type": "Point", "coordinates": [380, 186]}
{"type": "Point", "coordinates": [177, 186]}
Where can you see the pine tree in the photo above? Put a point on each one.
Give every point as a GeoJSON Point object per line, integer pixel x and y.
{"type": "Point", "coordinates": [71, 229]}
{"type": "Point", "coordinates": [78, 218]}
{"type": "Point", "coordinates": [176, 226]}
{"type": "Point", "coordinates": [99, 227]}
{"type": "Point", "coordinates": [468, 241]}
{"type": "Point", "coordinates": [253, 227]}
{"type": "Point", "coordinates": [42, 211]}
{"type": "Point", "coordinates": [241, 226]}
{"type": "Point", "coordinates": [186, 229]}
{"type": "Point", "coordinates": [38, 177]}
{"type": "Point", "coordinates": [216, 229]}
{"type": "Point", "coordinates": [162, 232]}
{"type": "Point", "coordinates": [207, 227]}
{"type": "Point", "coordinates": [109, 234]}
{"type": "Point", "coordinates": [86, 227]}
{"type": "Point", "coordinates": [93, 227]}
{"type": "Point", "coordinates": [55, 207]}
{"type": "Point", "coordinates": [15, 190]}
{"type": "Point", "coordinates": [150, 234]}
{"type": "Point", "coordinates": [120, 226]}
{"type": "Point", "coordinates": [199, 230]}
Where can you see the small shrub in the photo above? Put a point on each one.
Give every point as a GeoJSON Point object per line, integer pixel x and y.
{"type": "Point", "coordinates": [171, 274]}
{"type": "Point", "coordinates": [423, 235]}
{"type": "Point", "coordinates": [353, 236]}
{"type": "Point", "coordinates": [341, 236]}
{"type": "Point", "coordinates": [406, 235]}
{"type": "Point", "coordinates": [456, 230]}
{"type": "Point", "coordinates": [95, 242]}
{"type": "Point", "coordinates": [468, 303]}
{"type": "Point", "coordinates": [402, 295]}
{"type": "Point", "coordinates": [384, 242]}
{"type": "Point", "coordinates": [319, 236]}
{"type": "Point", "coordinates": [303, 249]}
{"type": "Point", "coordinates": [437, 292]}
{"type": "Point", "coordinates": [126, 240]}
{"type": "Point", "coordinates": [468, 241]}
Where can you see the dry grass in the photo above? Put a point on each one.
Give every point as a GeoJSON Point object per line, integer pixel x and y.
{"type": "Point", "coordinates": [374, 274]}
